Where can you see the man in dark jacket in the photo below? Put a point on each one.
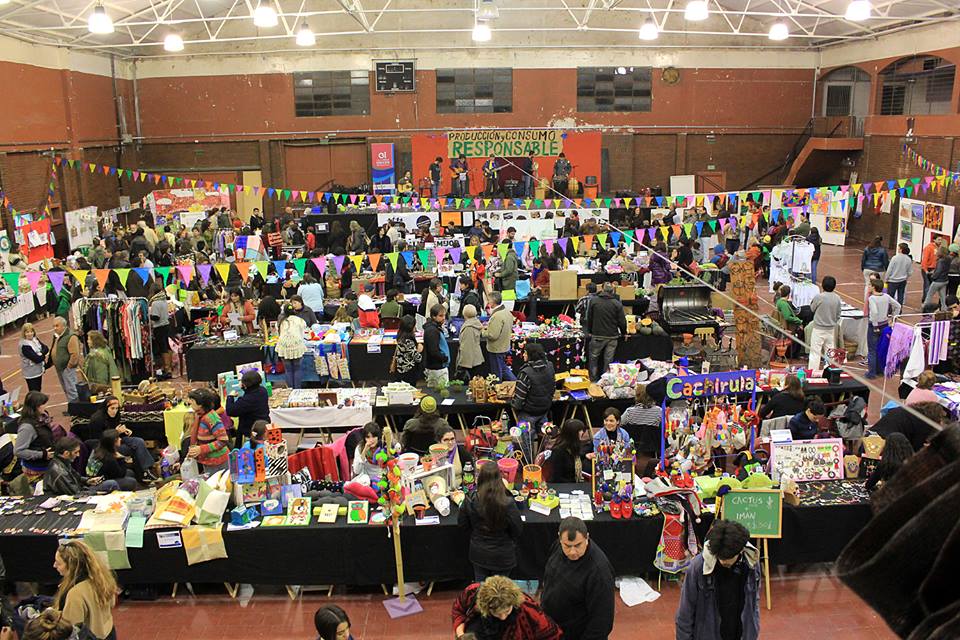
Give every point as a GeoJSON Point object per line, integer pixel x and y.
{"type": "Point", "coordinates": [469, 295]}
{"type": "Point", "coordinates": [61, 479]}
{"type": "Point", "coordinates": [721, 595]}
{"type": "Point", "coordinates": [536, 383]}
{"type": "Point", "coordinates": [578, 589]}
{"type": "Point", "coordinates": [253, 405]}
{"type": "Point", "coordinates": [139, 243]}
{"type": "Point", "coordinates": [606, 322]}
{"type": "Point", "coordinates": [436, 352]}
{"type": "Point", "coordinates": [915, 429]}
{"type": "Point", "coordinates": [805, 425]}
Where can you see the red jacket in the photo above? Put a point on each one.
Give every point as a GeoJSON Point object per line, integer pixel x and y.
{"type": "Point", "coordinates": [530, 622]}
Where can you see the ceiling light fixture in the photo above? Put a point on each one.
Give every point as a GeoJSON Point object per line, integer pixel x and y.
{"type": "Point", "coordinates": [173, 42]}
{"type": "Point", "coordinates": [858, 10]}
{"type": "Point", "coordinates": [305, 36]}
{"type": "Point", "coordinates": [481, 32]}
{"type": "Point", "coordinates": [649, 30]}
{"type": "Point", "coordinates": [488, 10]}
{"type": "Point", "coordinates": [779, 31]}
{"type": "Point", "coordinates": [99, 21]}
{"type": "Point", "coordinates": [696, 10]}
{"type": "Point", "coordinates": [264, 16]}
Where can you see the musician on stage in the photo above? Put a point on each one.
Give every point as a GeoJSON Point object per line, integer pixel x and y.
{"type": "Point", "coordinates": [490, 170]}
{"type": "Point", "coordinates": [561, 174]}
{"type": "Point", "coordinates": [460, 178]}
{"type": "Point", "coordinates": [529, 167]}
{"type": "Point", "coordinates": [436, 170]}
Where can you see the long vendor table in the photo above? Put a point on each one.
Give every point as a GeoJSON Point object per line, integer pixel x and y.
{"type": "Point", "coordinates": [347, 554]}
{"type": "Point", "coordinates": [205, 362]}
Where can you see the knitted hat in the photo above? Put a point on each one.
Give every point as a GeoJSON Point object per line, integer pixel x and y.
{"type": "Point", "coordinates": [428, 404]}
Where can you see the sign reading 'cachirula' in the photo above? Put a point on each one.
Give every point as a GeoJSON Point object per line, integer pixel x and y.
{"type": "Point", "coordinates": [712, 384]}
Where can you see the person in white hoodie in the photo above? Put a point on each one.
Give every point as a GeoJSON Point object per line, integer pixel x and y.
{"type": "Point", "coordinates": [898, 272]}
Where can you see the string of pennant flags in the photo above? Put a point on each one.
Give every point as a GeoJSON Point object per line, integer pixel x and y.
{"type": "Point", "coordinates": [903, 186]}
{"type": "Point", "coordinates": [925, 163]}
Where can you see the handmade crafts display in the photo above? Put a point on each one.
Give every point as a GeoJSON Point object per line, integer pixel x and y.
{"type": "Point", "coordinates": [807, 460]}
{"type": "Point", "coordinates": [611, 481]}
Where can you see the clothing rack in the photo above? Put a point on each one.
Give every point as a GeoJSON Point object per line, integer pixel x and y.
{"type": "Point", "coordinates": [126, 325]}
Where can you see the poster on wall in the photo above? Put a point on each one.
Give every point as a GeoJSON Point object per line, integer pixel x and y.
{"type": "Point", "coordinates": [36, 241]}
{"type": "Point", "coordinates": [382, 167]}
{"type": "Point", "coordinates": [829, 214]}
{"type": "Point", "coordinates": [515, 143]}
{"type": "Point", "coordinates": [82, 227]}
{"type": "Point", "coordinates": [928, 220]}
{"type": "Point", "coordinates": [164, 202]}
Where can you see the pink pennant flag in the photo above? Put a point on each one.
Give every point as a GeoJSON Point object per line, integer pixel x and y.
{"type": "Point", "coordinates": [320, 264]}
{"type": "Point", "coordinates": [455, 254]}
{"type": "Point", "coordinates": [616, 202]}
{"type": "Point", "coordinates": [549, 243]}
{"type": "Point", "coordinates": [548, 203]}
{"type": "Point", "coordinates": [338, 263]}
{"type": "Point", "coordinates": [33, 277]}
{"type": "Point", "coordinates": [439, 253]}
{"type": "Point", "coordinates": [353, 198]}
{"type": "Point", "coordinates": [186, 272]}
{"type": "Point", "coordinates": [204, 271]}
{"type": "Point", "coordinates": [56, 279]}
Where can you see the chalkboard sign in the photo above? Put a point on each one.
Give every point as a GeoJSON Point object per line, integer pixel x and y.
{"type": "Point", "coordinates": [759, 510]}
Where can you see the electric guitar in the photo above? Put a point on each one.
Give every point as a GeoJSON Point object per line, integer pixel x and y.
{"type": "Point", "coordinates": [491, 172]}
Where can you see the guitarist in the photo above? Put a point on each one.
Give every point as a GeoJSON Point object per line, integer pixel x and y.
{"type": "Point", "coordinates": [529, 168]}
{"type": "Point", "coordinates": [459, 177]}
{"type": "Point", "coordinates": [490, 170]}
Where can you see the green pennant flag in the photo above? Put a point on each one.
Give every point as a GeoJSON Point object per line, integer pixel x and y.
{"type": "Point", "coordinates": [538, 203]}
{"type": "Point", "coordinates": [164, 272]}
{"type": "Point", "coordinates": [606, 202]}
{"type": "Point", "coordinates": [602, 237]}
{"type": "Point", "coordinates": [424, 255]}
{"type": "Point", "coordinates": [834, 188]}
{"type": "Point", "coordinates": [535, 248]}
{"type": "Point", "coordinates": [405, 199]}
{"type": "Point", "coordinates": [286, 194]}
{"type": "Point", "coordinates": [502, 250]}
{"type": "Point", "coordinates": [300, 264]}
{"type": "Point", "coordinates": [713, 225]}
{"type": "Point", "coordinates": [756, 196]}
{"type": "Point", "coordinates": [392, 257]}
{"type": "Point", "coordinates": [909, 192]}
{"type": "Point", "coordinates": [123, 274]}
{"type": "Point", "coordinates": [688, 228]}
{"type": "Point", "coordinates": [467, 202]}
{"type": "Point", "coordinates": [628, 236]}
{"type": "Point", "coordinates": [262, 266]}
{"type": "Point", "coordinates": [679, 200]}
{"type": "Point", "coordinates": [13, 279]}
{"type": "Point", "coordinates": [915, 181]}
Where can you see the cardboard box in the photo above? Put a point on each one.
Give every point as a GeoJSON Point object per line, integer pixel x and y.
{"type": "Point", "coordinates": [563, 285]}
{"type": "Point", "coordinates": [581, 290]}
{"type": "Point", "coordinates": [627, 291]}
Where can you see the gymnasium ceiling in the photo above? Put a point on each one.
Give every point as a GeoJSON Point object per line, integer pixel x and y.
{"type": "Point", "coordinates": [217, 27]}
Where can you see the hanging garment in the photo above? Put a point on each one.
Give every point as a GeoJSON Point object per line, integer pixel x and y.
{"type": "Point", "coordinates": [937, 349]}
{"type": "Point", "coordinates": [902, 338]}
{"type": "Point", "coordinates": [915, 363]}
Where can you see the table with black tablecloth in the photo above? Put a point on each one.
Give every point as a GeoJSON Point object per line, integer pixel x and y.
{"type": "Point", "coordinates": [348, 554]}
{"type": "Point", "coordinates": [145, 422]}
{"type": "Point", "coordinates": [206, 361]}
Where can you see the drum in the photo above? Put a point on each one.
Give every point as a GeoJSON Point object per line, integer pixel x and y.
{"type": "Point", "coordinates": [573, 186]}
{"type": "Point", "coordinates": [560, 184]}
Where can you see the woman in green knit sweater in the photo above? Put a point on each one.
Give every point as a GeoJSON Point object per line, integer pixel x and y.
{"type": "Point", "coordinates": [99, 365]}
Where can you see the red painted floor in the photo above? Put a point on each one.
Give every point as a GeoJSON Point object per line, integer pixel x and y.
{"type": "Point", "coordinates": [808, 602]}
{"type": "Point", "coordinates": [806, 605]}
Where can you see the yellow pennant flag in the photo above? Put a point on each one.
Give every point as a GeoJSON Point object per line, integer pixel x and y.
{"type": "Point", "coordinates": [665, 233]}
{"type": "Point", "coordinates": [576, 243]}
{"type": "Point", "coordinates": [81, 276]}
{"type": "Point", "coordinates": [262, 266]}
{"type": "Point", "coordinates": [223, 268]}
{"type": "Point", "coordinates": [357, 261]}
{"type": "Point", "coordinates": [472, 252]}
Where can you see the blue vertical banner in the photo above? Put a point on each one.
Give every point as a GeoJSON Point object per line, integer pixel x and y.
{"type": "Point", "coordinates": [383, 170]}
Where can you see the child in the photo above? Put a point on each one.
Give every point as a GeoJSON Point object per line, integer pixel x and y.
{"type": "Point", "coordinates": [258, 433]}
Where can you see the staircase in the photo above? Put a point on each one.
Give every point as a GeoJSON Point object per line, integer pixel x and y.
{"type": "Point", "coordinates": [831, 140]}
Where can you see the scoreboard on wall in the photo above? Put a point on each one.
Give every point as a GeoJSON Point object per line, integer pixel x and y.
{"type": "Point", "coordinates": [395, 76]}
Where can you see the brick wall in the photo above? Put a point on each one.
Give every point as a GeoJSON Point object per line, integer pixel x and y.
{"type": "Point", "coordinates": [882, 159]}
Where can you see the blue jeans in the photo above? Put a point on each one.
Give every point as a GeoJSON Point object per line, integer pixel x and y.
{"type": "Point", "coordinates": [874, 368]}
{"type": "Point", "coordinates": [897, 290]}
{"type": "Point", "coordinates": [528, 186]}
{"type": "Point", "coordinates": [293, 372]}
{"type": "Point", "coordinates": [136, 448]}
{"type": "Point", "coordinates": [434, 188]}
{"type": "Point", "coordinates": [498, 366]}
{"type": "Point", "coordinates": [107, 486]}
{"type": "Point", "coordinates": [813, 271]}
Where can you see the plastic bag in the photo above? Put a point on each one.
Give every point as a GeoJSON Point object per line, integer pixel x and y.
{"type": "Point", "coordinates": [189, 469]}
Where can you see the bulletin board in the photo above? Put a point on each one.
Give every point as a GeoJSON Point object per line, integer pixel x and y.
{"type": "Point", "coordinates": [807, 460]}
{"type": "Point", "coordinates": [82, 227]}
{"type": "Point", "coordinates": [34, 239]}
{"type": "Point", "coordinates": [828, 213]}
{"type": "Point", "coordinates": [925, 220]}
